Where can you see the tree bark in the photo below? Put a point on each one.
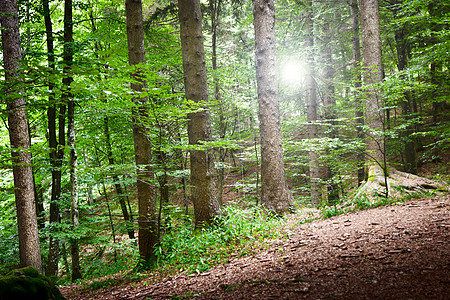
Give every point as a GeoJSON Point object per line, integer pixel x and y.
{"type": "Point", "coordinates": [29, 248]}
{"type": "Point", "coordinates": [147, 217]}
{"type": "Point", "coordinates": [73, 165]}
{"type": "Point", "coordinates": [56, 148]}
{"type": "Point", "coordinates": [215, 7]}
{"type": "Point", "coordinates": [275, 195]}
{"type": "Point", "coordinates": [311, 114]}
{"type": "Point", "coordinates": [371, 50]}
{"type": "Point", "coordinates": [204, 193]}
{"type": "Point", "coordinates": [329, 100]}
{"type": "Point", "coordinates": [357, 82]}
{"type": "Point", "coordinates": [381, 180]}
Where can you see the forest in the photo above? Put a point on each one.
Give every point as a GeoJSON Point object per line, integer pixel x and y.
{"type": "Point", "coordinates": [145, 137]}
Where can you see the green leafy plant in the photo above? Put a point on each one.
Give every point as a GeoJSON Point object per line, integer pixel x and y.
{"type": "Point", "coordinates": [331, 211]}
{"type": "Point", "coordinates": [185, 248]}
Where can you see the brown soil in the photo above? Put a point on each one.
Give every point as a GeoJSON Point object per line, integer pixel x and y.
{"type": "Point", "coordinates": [391, 252]}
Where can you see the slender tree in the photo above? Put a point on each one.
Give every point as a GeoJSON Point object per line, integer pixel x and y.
{"type": "Point", "coordinates": [29, 249]}
{"type": "Point", "coordinates": [215, 8]}
{"type": "Point", "coordinates": [109, 149]}
{"type": "Point", "coordinates": [56, 145]}
{"type": "Point", "coordinates": [147, 218]}
{"type": "Point", "coordinates": [357, 82]}
{"type": "Point", "coordinates": [402, 46]}
{"type": "Point", "coordinates": [116, 180]}
{"type": "Point", "coordinates": [311, 96]}
{"type": "Point", "coordinates": [436, 10]}
{"type": "Point", "coordinates": [275, 194]}
{"type": "Point", "coordinates": [329, 102]}
{"type": "Point", "coordinates": [68, 97]}
{"type": "Point", "coordinates": [204, 193]}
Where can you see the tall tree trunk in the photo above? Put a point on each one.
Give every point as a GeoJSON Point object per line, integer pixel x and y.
{"type": "Point", "coordinates": [330, 109]}
{"type": "Point", "coordinates": [74, 212]}
{"type": "Point", "coordinates": [371, 49]}
{"type": "Point", "coordinates": [275, 194]}
{"type": "Point", "coordinates": [147, 217]}
{"type": "Point", "coordinates": [357, 82]}
{"type": "Point", "coordinates": [204, 193]}
{"type": "Point", "coordinates": [56, 149]}
{"type": "Point", "coordinates": [29, 248]}
{"type": "Point", "coordinates": [215, 7]}
{"type": "Point", "coordinates": [380, 181]}
{"type": "Point", "coordinates": [311, 98]}
{"type": "Point", "coordinates": [402, 57]}
{"type": "Point", "coordinates": [67, 96]}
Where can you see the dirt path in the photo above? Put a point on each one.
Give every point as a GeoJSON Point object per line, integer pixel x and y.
{"type": "Point", "coordinates": [392, 252]}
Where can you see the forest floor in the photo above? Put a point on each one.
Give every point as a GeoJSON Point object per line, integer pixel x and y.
{"type": "Point", "coordinates": [391, 252]}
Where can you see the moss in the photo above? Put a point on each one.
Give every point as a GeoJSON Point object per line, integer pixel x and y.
{"type": "Point", "coordinates": [371, 174]}
{"type": "Point", "coordinates": [27, 283]}
{"type": "Point", "coordinates": [374, 171]}
{"type": "Point", "coordinates": [27, 271]}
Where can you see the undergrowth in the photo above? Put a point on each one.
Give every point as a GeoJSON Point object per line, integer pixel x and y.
{"type": "Point", "coordinates": [238, 232]}
{"type": "Point", "coordinates": [235, 233]}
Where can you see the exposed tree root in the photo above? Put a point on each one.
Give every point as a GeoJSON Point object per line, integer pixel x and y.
{"type": "Point", "coordinates": [399, 184]}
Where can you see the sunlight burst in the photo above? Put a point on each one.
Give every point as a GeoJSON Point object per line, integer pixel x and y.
{"type": "Point", "coordinates": [293, 73]}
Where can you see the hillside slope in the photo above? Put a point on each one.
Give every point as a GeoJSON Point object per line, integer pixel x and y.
{"type": "Point", "coordinates": [390, 252]}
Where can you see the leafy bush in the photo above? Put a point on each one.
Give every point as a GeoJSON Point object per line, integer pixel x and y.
{"type": "Point", "coordinates": [193, 250]}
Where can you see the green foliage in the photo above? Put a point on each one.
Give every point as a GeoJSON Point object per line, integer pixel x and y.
{"type": "Point", "coordinates": [238, 230]}
{"type": "Point", "coordinates": [331, 211]}
{"type": "Point", "coordinates": [9, 243]}
{"type": "Point", "coordinates": [365, 202]}
{"type": "Point", "coordinates": [105, 258]}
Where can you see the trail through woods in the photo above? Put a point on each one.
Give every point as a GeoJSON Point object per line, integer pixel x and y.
{"type": "Point", "coordinates": [391, 252]}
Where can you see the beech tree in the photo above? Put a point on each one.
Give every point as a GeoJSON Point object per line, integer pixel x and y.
{"type": "Point", "coordinates": [275, 194]}
{"type": "Point", "coordinates": [204, 192]}
{"type": "Point", "coordinates": [147, 217]}
{"type": "Point", "coordinates": [73, 165]}
{"type": "Point", "coordinates": [56, 145]}
{"type": "Point", "coordinates": [29, 248]}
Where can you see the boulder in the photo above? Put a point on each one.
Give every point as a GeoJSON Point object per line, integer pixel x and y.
{"type": "Point", "coordinates": [28, 283]}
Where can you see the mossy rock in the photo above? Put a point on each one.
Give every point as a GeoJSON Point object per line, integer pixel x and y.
{"type": "Point", "coordinates": [27, 283]}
